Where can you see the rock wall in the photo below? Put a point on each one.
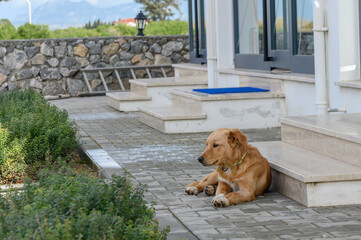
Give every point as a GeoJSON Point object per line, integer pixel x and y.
{"type": "Point", "coordinates": [45, 64]}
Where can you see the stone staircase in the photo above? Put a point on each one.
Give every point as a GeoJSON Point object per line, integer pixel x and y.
{"type": "Point", "coordinates": [198, 112]}
{"type": "Point", "coordinates": [318, 162]}
{"type": "Point", "coordinates": [156, 91]}
{"type": "Point", "coordinates": [190, 111]}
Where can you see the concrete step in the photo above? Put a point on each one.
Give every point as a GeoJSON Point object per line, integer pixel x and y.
{"type": "Point", "coordinates": [337, 136]}
{"type": "Point", "coordinates": [241, 110]}
{"type": "Point", "coordinates": [169, 119]}
{"type": "Point", "coordinates": [127, 101]}
{"type": "Point", "coordinates": [190, 70]}
{"type": "Point", "coordinates": [310, 178]}
{"type": "Point", "coordinates": [157, 89]}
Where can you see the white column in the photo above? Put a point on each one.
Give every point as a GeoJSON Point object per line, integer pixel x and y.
{"type": "Point", "coordinates": [320, 56]}
{"type": "Point", "coordinates": [225, 34]}
{"type": "Point", "coordinates": [211, 43]}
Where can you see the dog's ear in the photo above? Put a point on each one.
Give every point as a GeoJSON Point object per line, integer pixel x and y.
{"type": "Point", "coordinates": [236, 137]}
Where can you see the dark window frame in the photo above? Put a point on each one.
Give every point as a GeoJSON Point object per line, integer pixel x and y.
{"type": "Point", "coordinates": [200, 56]}
{"type": "Point", "coordinates": [280, 58]}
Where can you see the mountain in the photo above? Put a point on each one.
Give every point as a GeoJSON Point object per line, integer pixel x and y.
{"type": "Point", "coordinates": [63, 14]}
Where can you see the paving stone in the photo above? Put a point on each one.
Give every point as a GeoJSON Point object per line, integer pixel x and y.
{"type": "Point", "coordinates": [166, 162]}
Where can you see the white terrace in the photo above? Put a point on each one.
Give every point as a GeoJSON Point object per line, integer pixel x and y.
{"type": "Point", "coordinates": [311, 68]}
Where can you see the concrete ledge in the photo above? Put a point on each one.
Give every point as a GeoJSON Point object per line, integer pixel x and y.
{"type": "Point", "coordinates": [343, 126]}
{"type": "Point", "coordinates": [190, 66]}
{"type": "Point", "coordinates": [306, 78]}
{"type": "Point", "coordinates": [225, 97]}
{"type": "Point", "coordinates": [349, 84]}
{"type": "Point", "coordinates": [310, 178]}
{"type": "Point", "coordinates": [172, 81]}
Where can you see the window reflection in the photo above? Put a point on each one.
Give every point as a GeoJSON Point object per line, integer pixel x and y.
{"type": "Point", "coordinates": [305, 44]}
{"type": "Point", "coordinates": [250, 27]}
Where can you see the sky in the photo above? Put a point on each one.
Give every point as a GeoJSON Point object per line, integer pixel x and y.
{"type": "Point", "coordinates": [14, 8]}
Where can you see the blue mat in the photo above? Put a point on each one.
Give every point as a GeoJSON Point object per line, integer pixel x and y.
{"type": "Point", "coordinates": [230, 90]}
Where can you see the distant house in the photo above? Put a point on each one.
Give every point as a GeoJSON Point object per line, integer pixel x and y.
{"type": "Point", "coordinates": [128, 21]}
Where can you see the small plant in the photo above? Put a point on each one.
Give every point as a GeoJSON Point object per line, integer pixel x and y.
{"type": "Point", "coordinates": [46, 132]}
{"type": "Point", "coordinates": [37, 135]}
{"type": "Point", "coordinates": [12, 164]}
{"type": "Point", "coordinates": [68, 206]}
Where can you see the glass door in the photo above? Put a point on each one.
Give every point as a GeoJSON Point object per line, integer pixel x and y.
{"type": "Point", "coordinates": [273, 34]}
{"type": "Point", "coordinates": [279, 34]}
{"type": "Point", "coordinates": [197, 31]}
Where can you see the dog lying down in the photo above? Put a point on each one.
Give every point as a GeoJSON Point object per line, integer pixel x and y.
{"type": "Point", "coordinates": [242, 173]}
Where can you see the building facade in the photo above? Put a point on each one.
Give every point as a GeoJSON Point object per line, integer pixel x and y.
{"type": "Point", "coordinates": [309, 49]}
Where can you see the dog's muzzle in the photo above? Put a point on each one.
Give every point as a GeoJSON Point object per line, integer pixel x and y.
{"type": "Point", "coordinates": [201, 159]}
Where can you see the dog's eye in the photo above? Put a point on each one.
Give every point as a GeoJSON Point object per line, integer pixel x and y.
{"type": "Point", "coordinates": [215, 145]}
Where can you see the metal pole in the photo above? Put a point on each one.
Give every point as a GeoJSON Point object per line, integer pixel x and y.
{"type": "Point", "coordinates": [29, 3]}
{"type": "Point", "coordinates": [320, 57]}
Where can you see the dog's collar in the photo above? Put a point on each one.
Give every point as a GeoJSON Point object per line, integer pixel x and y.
{"type": "Point", "coordinates": [224, 169]}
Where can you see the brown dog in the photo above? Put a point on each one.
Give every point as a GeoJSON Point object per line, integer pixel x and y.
{"type": "Point", "coordinates": [242, 172]}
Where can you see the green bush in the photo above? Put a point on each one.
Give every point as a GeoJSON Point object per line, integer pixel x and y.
{"type": "Point", "coordinates": [166, 28]}
{"type": "Point", "coordinates": [45, 131]}
{"type": "Point", "coordinates": [32, 31]}
{"type": "Point", "coordinates": [12, 164]}
{"type": "Point", "coordinates": [7, 30]}
{"type": "Point", "coordinates": [68, 206]}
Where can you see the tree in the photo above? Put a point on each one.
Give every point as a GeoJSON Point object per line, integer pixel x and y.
{"type": "Point", "coordinates": [32, 31]}
{"type": "Point", "coordinates": [159, 9]}
{"type": "Point", "coordinates": [7, 30]}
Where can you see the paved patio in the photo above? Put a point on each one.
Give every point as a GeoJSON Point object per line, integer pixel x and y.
{"type": "Point", "coordinates": [166, 163]}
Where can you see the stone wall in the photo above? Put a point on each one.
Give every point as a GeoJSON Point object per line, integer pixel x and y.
{"type": "Point", "coordinates": [45, 64]}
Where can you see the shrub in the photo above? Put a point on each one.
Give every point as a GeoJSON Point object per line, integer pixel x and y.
{"type": "Point", "coordinates": [32, 31]}
{"type": "Point", "coordinates": [12, 164]}
{"type": "Point", "coordinates": [166, 28]}
{"type": "Point", "coordinates": [7, 30]}
{"type": "Point", "coordinates": [46, 132]}
{"type": "Point", "coordinates": [68, 206]}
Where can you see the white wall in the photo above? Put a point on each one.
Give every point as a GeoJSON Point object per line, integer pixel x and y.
{"type": "Point", "coordinates": [343, 54]}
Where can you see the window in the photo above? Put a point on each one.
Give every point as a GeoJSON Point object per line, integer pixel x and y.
{"type": "Point", "coordinates": [274, 34]}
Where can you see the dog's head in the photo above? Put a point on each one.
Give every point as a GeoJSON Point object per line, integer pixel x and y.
{"type": "Point", "coordinates": [222, 147]}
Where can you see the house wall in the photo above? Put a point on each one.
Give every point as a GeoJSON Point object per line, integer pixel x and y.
{"type": "Point", "coordinates": [343, 54]}
{"type": "Point", "coordinates": [342, 59]}
{"type": "Point", "coordinates": [44, 64]}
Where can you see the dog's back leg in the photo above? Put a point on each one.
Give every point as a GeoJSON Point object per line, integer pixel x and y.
{"type": "Point", "coordinates": [196, 187]}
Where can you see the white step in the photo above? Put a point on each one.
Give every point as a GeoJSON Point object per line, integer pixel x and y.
{"type": "Point", "coordinates": [240, 110]}
{"type": "Point", "coordinates": [170, 119]}
{"type": "Point", "coordinates": [127, 101]}
{"type": "Point", "coordinates": [190, 70]}
{"type": "Point", "coordinates": [157, 89]}
{"type": "Point", "coordinates": [310, 178]}
{"type": "Point", "coordinates": [334, 135]}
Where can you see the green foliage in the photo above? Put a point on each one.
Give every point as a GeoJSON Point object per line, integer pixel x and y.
{"type": "Point", "coordinates": [166, 28]}
{"type": "Point", "coordinates": [12, 164]}
{"type": "Point", "coordinates": [159, 10]}
{"type": "Point", "coordinates": [32, 31]}
{"type": "Point", "coordinates": [95, 24]}
{"type": "Point", "coordinates": [7, 30]}
{"type": "Point", "coordinates": [44, 129]}
{"type": "Point", "coordinates": [68, 206]}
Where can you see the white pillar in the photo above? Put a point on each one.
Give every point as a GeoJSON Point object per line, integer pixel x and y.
{"type": "Point", "coordinates": [320, 56]}
{"type": "Point", "coordinates": [225, 34]}
{"type": "Point", "coordinates": [211, 43]}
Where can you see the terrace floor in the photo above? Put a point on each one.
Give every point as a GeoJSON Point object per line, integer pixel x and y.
{"type": "Point", "coordinates": [167, 163]}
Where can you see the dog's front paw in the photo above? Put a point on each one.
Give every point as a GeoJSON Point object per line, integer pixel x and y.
{"type": "Point", "coordinates": [209, 190]}
{"type": "Point", "coordinates": [192, 190]}
{"type": "Point", "coordinates": [220, 201]}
